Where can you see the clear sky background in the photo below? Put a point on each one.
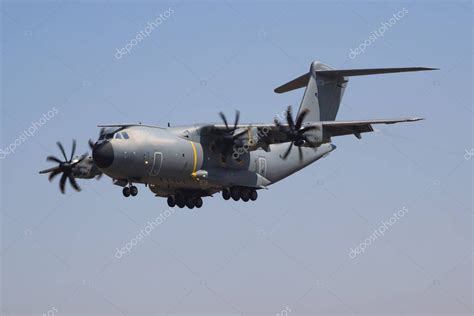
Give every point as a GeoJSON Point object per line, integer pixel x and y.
{"type": "Point", "coordinates": [289, 251]}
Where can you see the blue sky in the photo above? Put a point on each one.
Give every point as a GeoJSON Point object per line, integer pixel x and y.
{"type": "Point", "coordinates": [288, 251]}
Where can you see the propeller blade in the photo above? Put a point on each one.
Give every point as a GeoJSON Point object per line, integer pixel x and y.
{"type": "Point", "coordinates": [300, 118]}
{"type": "Point", "coordinates": [99, 176]}
{"type": "Point", "coordinates": [53, 159]}
{"type": "Point", "coordinates": [288, 151]}
{"type": "Point", "coordinates": [224, 119]}
{"type": "Point", "coordinates": [53, 174]}
{"type": "Point", "coordinates": [62, 150]}
{"type": "Point", "coordinates": [236, 122]}
{"type": "Point", "coordinates": [74, 183]}
{"type": "Point", "coordinates": [300, 152]}
{"type": "Point", "coordinates": [62, 182]}
{"type": "Point", "coordinates": [73, 150]}
{"type": "Point", "coordinates": [91, 144]}
{"type": "Point", "coordinates": [289, 118]}
{"type": "Point", "coordinates": [48, 170]}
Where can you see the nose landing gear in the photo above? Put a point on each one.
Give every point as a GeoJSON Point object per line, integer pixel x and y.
{"type": "Point", "coordinates": [131, 190]}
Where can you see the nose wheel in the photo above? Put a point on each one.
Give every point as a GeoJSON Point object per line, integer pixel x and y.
{"type": "Point", "coordinates": [130, 191]}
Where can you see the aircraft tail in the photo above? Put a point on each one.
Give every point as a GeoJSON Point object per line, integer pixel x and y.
{"type": "Point", "coordinates": [325, 88]}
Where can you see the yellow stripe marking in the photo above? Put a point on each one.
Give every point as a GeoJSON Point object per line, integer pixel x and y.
{"type": "Point", "coordinates": [195, 159]}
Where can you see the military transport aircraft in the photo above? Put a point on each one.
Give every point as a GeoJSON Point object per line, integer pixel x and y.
{"type": "Point", "coordinates": [184, 164]}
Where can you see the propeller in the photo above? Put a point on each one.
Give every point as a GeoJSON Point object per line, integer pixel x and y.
{"type": "Point", "coordinates": [230, 131]}
{"type": "Point", "coordinates": [65, 167]}
{"type": "Point", "coordinates": [229, 137]}
{"type": "Point", "coordinates": [294, 132]}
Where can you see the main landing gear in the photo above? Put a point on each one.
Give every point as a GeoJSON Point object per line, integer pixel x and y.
{"type": "Point", "coordinates": [240, 193]}
{"type": "Point", "coordinates": [130, 190]}
{"type": "Point", "coordinates": [181, 201]}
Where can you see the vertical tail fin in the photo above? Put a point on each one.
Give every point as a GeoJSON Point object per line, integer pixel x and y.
{"type": "Point", "coordinates": [325, 88]}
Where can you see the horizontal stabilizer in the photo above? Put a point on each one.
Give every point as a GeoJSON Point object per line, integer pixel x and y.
{"type": "Point", "coordinates": [297, 83]}
{"type": "Point", "coordinates": [302, 81]}
{"type": "Point", "coordinates": [373, 71]}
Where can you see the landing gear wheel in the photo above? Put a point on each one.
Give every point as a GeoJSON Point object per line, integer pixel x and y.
{"type": "Point", "coordinates": [180, 201]}
{"type": "Point", "coordinates": [190, 203]}
{"type": "Point", "coordinates": [235, 194]}
{"type": "Point", "coordinates": [226, 194]}
{"type": "Point", "coordinates": [253, 194]}
{"type": "Point", "coordinates": [171, 201]}
{"type": "Point", "coordinates": [245, 195]}
{"type": "Point", "coordinates": [198, 202]}
{"type": "Point", "coordinates": [133, 190]}
{"type": "Point", "coordinates": [126, 191]}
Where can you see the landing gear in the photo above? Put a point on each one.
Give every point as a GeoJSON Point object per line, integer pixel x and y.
{"type": "Point", "coordinates": [245, 195]}
{"type": "Point", "coordinates": [235, 193]}
{"type": "Point", "coordinates": [180, 201]}
{"type": "Point", "coordinates": [240, 193]}
{"type": "Point", "coordinates": [126, 191]}
{"type": "Point", "coordinates": [190, 203]}
{"type": "Point", "coordinates": [130, 190]}
{"type": "Point", "coordinates": [171, 201]}
{"type": "Point", "coordinates": [253, 194]}
{"type": "Point", "coordinates": [198, 202]}
{"type": "Point", "coordinates": [226, 194]}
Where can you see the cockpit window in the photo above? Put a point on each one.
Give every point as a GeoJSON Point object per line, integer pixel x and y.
{"type": "Point", "coordinates": [118, 136]}
{"type": "Point", "coordinates": [125, 135]}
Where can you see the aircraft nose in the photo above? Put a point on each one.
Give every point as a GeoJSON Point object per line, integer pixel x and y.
{"type": "Point", "coordinates": [103, 154]}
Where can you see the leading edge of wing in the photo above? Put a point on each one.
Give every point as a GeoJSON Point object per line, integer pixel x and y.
{"type": "Point", "coordinates": [363, 122]}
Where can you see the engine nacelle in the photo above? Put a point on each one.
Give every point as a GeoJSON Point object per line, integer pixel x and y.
{"type": "Point", "coordinates": [316, 136]}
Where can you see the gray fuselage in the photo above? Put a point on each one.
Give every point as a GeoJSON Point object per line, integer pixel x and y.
{"type": "Point", "coordinates": [180, 159]}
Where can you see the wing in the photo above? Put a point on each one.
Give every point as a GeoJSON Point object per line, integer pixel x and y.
{"type": "Point", "coordinates": [340, 128]}
{"type": "Point", "coordinates": [264, 135]}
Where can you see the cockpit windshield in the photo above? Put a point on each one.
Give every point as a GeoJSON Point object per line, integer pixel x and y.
{"type": "Point", "coordinates": [118, 135]}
